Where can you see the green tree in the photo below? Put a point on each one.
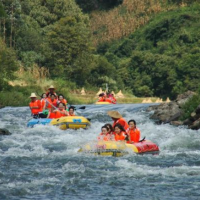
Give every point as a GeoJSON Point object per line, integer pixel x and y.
{"type": "Point", "coordinates": [8, 65]}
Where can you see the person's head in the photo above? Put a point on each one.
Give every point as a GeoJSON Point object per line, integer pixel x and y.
{"type": "Point", "coordinates": [71, 110]}
{"type": "Point", "coordinates": [61, 106]}
{"type": "Point", "coordinates": [109, 127]}
{"type": "Point", "coordinates": [118, 128]}
{"type": "Point", "coordinates": [52, 96]}
{"type": "Point", "coordinates": [60, 97]}
{"type": "Point", "coordinates": [104, 129]}
{"type": "Point", "coordinates": [43, 95]}
{"type": "Point", "coordinates": [33, 97]}
{"type": "Point", "coordinates": [132, 124]}
{"type": "Point", "coordinates": [51, 89]}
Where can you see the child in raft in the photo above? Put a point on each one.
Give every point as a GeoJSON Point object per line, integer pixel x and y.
{"type": "Point", "coordinates": [120, 133]}
{"type": "Point", "coordinates": [105, 134]}
{"type": "Point", "coordinates": [133, 132]}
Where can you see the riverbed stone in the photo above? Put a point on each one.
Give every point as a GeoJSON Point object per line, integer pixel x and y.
{"type": "Point", "coordinates": [176, 123]}
{"type": "Point", "coordinates": [4, 131]}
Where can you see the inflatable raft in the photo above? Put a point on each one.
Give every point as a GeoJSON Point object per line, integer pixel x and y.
{"type": "Point", "coordinates": [103, 102]}
{"type": "Point", "coordinates": [119, 148]}
{"type": "Point", "coordinates": [72, 122]}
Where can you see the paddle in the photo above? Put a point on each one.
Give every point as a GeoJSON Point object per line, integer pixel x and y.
{"type": "Point", "coordinates": [142, 139]}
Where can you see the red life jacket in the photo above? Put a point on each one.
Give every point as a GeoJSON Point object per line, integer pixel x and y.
{"type": "Point", "coordinates": [36, 103]}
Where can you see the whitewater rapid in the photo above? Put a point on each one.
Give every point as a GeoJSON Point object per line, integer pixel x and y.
{"type": "Point", "coordinates": [43, 162]}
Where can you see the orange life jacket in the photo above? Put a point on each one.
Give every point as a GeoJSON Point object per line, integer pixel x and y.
{"type": "Point", "coordinates": [36, 103]}
{"type": "Point", "coordinates": [121, 136]}
{"type": "Point", "coordinates": [121, 121]}
{"type": "Point", "coordinates": [58, 114]}
{"type": "Point", "coordinates": [52, 115]}
{"type": "Point", "coordinates": [134, 135]}
{"type": "Point", "coordinates": [72, 114]}
{"type": "Point", "coordinates": [43, 103]}
{"type": "Point", "coordinates": [49, 102]}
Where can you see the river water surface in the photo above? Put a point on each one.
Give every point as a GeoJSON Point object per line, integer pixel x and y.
{"type": "Point", "coordinates": [42, 162]}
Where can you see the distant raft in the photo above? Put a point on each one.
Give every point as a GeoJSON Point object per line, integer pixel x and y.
{"type": "Point", "coordinates": [103, 102]}
{"type": "Point", "coordinates": [69, 122]}
{"type": "Point", "coordinates": [119, 148]}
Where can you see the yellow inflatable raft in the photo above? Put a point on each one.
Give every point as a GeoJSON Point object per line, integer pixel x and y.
{"type": "Point", "coordinates": [119, 148]}
{"type": "Point", "coordinates": [72, 122]}
{"type": "Point", "coordinates": [103, 102]}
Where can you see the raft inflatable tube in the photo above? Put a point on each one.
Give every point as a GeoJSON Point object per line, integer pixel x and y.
{"type": "Point", "coordinates": [103, 102]}
{"type": "Point", "coordinates": [119, 148]}
{"type": "Point", "coordinates": [42, 121]}
{"type": "Point", "coordinates": [72, 122]}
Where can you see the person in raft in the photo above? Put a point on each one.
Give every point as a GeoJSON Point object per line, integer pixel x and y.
{"type": "Point", "coordinates": [120, 133]}
{"type": "Point", "coordinates": [58, 113]}
{"type": "Point", "coordinates": [117, 118]}
{"type": "Point", "coordinates": [61, 99]}
{"type": "Point", "coordinates": [35, 106]}
{"type": "Point", "coordinates": [105, 134]}
{"type": "Point", "coordinates": [133, 132]}
{"type": "Point", "coordinates": [51, 102]}
{"type": "Point", "coordinates": [71, 111]}
{"type": "Point", "coordinates": [51, 91]}
{"type": "Point", "coordinates": [43, 101]}
{"type": "Point", "coordinates": [111, 130]}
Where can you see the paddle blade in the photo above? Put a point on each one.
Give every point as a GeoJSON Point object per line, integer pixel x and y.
{"type": "Point", "coordinates": [83, 107]}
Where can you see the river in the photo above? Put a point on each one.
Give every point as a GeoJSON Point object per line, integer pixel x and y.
{"type": "Point", "coordinates": [42, 163]}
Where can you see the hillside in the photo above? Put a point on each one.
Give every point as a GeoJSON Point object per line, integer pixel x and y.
{"type": "Point", "coordinates": [161, 58]}
{"type": "Point", "coordinates": [147, 47]}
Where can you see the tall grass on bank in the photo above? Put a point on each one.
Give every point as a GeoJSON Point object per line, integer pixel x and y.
{"type": "Point", "coordinates": [126, 18]}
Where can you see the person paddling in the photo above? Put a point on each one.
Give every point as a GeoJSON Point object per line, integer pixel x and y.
{"type": "Point", "coordinates": [51, 102]}
{"type": "Point", "coordinates": [117, 118]}
{"type": "Point", "coordinates": [133, 132]}
{"type": "Point", "coordinates": [35, 105]}
{"type": "Point", "coordinates": [57, 113]}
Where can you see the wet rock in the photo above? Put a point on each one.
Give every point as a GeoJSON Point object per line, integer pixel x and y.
{"type": "Point", "coordinates": [187, 122]}
{"type": "Point", "coordinates": [183, 98]}
{"type": "Point", "coordinates": [176, 123]}
{"type": "Point", "coordinates": [195, 125]}
{"type": "Point", "coordinates": [4, 131]}
{"type": "Point", "coordinates": [167, 112]}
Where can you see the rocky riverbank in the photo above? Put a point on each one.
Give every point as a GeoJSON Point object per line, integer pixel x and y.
{"type": "Point", "coordinates": [172, 112]}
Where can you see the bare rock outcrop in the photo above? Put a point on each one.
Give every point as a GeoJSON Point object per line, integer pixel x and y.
{"type": "Point", "coordinates": [169, 112]}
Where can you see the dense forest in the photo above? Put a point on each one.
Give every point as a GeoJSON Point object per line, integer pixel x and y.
{"type": "Point", "coordinates": [147, 47]}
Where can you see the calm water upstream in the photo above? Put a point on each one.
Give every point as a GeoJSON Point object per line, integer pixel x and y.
{"type": "Point", "coordinates": [42, 162]}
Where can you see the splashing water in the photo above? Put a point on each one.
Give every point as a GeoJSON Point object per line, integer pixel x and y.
{"type": "Point", "coordinates": [43, 163]}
